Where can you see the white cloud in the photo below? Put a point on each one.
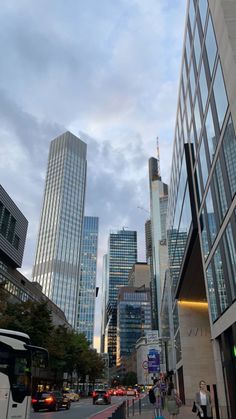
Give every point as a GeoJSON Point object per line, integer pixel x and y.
{"type": "Point", "coordinates": [107, 68]}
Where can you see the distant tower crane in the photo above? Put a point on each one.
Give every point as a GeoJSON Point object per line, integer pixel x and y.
{"type": "Point", "coordinates": [158, 157]}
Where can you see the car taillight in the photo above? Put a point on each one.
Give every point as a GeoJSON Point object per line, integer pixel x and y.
{"type": "Point", "coordinates": [106, 394]}
{"type": "Point", "coordinates": [34, 400]}
{"type": "Point", "coordinates": [94, 394]}
{"type": "Point", "coordinates": [49, 399]}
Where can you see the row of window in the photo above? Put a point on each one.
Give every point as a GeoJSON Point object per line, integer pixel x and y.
{"type": "Point", "coordinates": [8, 226]}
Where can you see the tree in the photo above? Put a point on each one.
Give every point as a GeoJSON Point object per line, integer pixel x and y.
{"type": "Point", "coordinates": [130, 379]}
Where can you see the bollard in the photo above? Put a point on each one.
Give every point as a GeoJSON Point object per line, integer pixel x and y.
{"type": "Point", "coordinates": [133, 406]}
{"type": "Point", "coordinates": [140, 406]}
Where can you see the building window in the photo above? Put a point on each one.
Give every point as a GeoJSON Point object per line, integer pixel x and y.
{"type": "Point", "coordinates": [229, 151]}
{"type": "Point", "coordinates": [197, 46]}
{"type": "Point", "coordinates": [5, 222]}
{"type": "Point", "coordinates": [230, 255]}
{"type": "Point", "coordinates": [220, 95]}
{"type": "Point", "coordinates": [211, 134]}
{"type": "Point", "coordinates": [211, 46]}
{"type": "Point", "coordinates": [202, 5]}
{"type": "Point", "coordinates": [211, 293]}
{"type": "Point", "coordinates": [220, 280]}
{"type": "Point", "coordinates": [203, 87]}
{"type": "Point", "coordinates": [211, 218]}
{"type": "Point", "coordinates": [192, 14]}
{"type": "Point", "coordinates": [220, 191]}
{"type": "Point", "coordinates": [203, 162]}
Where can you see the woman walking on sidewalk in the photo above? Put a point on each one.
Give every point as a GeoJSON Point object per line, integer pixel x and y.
{"type": "Point", "coordinates": [173, 401]}
{"type": "Point", "coordinates": [203, 401]}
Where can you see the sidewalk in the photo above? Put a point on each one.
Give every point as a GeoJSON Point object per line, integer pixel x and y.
{"type": "Point", "coordinates": [185, 413]}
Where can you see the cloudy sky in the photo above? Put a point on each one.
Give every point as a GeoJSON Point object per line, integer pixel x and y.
{"type": "Point", "coordinates": [104, 69]}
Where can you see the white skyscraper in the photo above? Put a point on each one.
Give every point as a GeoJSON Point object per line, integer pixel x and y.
{"type": "Point", "coordinates": [57, 261]}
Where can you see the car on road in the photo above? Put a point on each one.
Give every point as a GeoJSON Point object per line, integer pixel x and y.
{"type": "Point", "coordinates": [131, 392]}
{"type": "Point", "coordinates": [72, 395]}
{"type": "Point", "coordinates": [49, 400]}
{"type": "Point", "coordinates": [101, 397]}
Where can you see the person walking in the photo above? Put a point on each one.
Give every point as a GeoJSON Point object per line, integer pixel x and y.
{"type": "Point", "coordinates": [158, 398]}
{"type": "Point", "coordinates": [173, 401]}
{"type": "Point", "coordinates": [203, 401]}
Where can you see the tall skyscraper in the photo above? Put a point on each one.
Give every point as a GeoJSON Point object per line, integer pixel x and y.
{"type": "Point", "coordinates": [201, 209]}
{"type": "Point", "coordinates": [159, 257]}
{"type": "Point", "coordinates": [122, 254]}
{"type": "Point", "coordinates": [87, 282]}
{"type": "Point", "coordinates": [57, 262]}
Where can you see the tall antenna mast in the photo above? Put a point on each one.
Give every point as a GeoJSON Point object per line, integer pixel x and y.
{"type": "Point", "coordinates": [158, 157]}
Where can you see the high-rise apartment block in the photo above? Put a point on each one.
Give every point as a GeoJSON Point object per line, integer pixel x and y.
{"type": "Point", "coordinates": [87, 282]}
{"type": "Point", "coordinates": [202, 201]}
{"type": "Point", "coordinates": [122, 254]}
{"type": "Point", "coordinates": [57, 262]}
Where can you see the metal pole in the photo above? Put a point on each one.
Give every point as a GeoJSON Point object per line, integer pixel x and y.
{"type": "Point", "coordinates": [133, 406]}
{"type": "Point", "coordinates": [140, 406]}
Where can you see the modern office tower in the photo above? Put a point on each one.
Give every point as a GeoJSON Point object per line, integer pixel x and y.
{"type": "Point", "coordinates": [57, 262]}
{"type": "Point", "coordinates": [87, 280]}
{"type": "Point", "coordinates": [202, 203]}
{"type": "Point", "coordinates": [133, 319]}
{"type": "Point", "coordinates": [122, 254]}
{"type": "Point", "coordinates": [104, 293]}
{"type": "Point", "coordinates": [159, 259]}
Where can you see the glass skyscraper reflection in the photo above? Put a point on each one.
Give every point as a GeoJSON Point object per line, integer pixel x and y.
{"type": "Point", "coordinates": [57, 261]}
{"type": "Point", "coordinates": [122, 255]}
{"type": "Point", "coordinates": [87, 282]}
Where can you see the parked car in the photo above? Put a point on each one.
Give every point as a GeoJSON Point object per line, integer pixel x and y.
{"type": "Point", "coordinates": [50, 400]}
{"type": "Point", "coordinates": [101, 397]}
{"type": "Point", "coordinates": [73, 396]}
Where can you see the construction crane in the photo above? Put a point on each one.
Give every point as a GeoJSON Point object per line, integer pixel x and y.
{"type": "Point", "coordinates": [158, 157]}
{"type": "Point", "coordinates": [144, 209]}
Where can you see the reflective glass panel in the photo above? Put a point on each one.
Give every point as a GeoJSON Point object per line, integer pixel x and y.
{"type": "Point", "coordinates": [192, 80]}
{"type": "Point", "coordinates": [211, 215]}
{"type": "Point", "coordinates": [203, 87]}
{"type": "Point", "coordinates": [205, 243]}
{"type": "Point", "coordinates": [220, 95]}
{"type": "Point", "coordinates": [192, 14]}
{"type": "Point", "coordinates": [220, 279]}
{"type": "Point", "coordinates": [188, 47]}
{"type": "Point", "coordinates": [202, 5]}
{"type": "Point", "coordinates": [198, 124]}
{"type": "Point", "coordinates": [220, 191]}
{"type": "Point", "coordinates": [211, 293]}
{"type": "Point", "coordinates": [203, 162]}
{"type": "Point", "coordinates": [211, 136]}
{"type": "Point", "coordinates": [211, 47]}
{"type": "Point", "coordinates": [229, 149]}
{"type": "Point", "coordinates": [230, 254]}
{"type": "Point", "coordinates": [197, 46]}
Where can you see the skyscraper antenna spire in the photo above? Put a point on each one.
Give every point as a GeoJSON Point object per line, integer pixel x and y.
{"type": "Point", "coordinates": [158, 157]}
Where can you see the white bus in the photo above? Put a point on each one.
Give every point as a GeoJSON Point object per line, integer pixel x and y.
{"type": "Point", "coordinates": [15, 373]}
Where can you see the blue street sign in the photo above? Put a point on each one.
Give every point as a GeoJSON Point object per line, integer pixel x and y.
{"type": "Point", "coordinates": [153, 361]}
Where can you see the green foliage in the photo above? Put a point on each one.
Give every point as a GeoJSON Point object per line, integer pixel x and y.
{"type": "Point", "coordinates": [130, 379]}
{"type": "Point", "coordinates": [68, 350]}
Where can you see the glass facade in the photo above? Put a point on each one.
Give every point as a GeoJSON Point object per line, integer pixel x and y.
{"type": "Point", "coordinates": [58, 250]}
{"type": "Point", "coordinates": [133, 319]}
{"type": "Point", "coordinates": [122, 255]}
{"type": "Point", "coordinates": [87, 282]}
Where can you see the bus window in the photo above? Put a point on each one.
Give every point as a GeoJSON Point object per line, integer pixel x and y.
{"type": "Point", "coordinates": [20, 377]}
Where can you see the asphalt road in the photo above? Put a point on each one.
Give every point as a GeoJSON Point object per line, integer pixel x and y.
{"type": "Point", "coordinates": [84, 409]}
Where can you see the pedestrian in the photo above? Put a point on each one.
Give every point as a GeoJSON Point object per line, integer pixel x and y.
{"type": "Point", "coordinates": [173, 401]}
{"type": "Point", "coordinates": [203, 401]}
{"type": "Point", "coordinates": [158, 398]}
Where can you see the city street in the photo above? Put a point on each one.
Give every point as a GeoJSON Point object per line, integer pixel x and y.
{"type": "Point", "coordinates": [82, 409]}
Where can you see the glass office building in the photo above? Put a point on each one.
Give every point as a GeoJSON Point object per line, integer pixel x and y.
{"type": "Point", "coordinates": [133, 319]}
{"type": "Point", "coordinates": [122, 254]}
{"type": "Point", "coordinates": [57, 262]}
{"type": "Point", "coordinates": [202, 202]}
{"type": "Point", "coordinates": [87, 281]}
